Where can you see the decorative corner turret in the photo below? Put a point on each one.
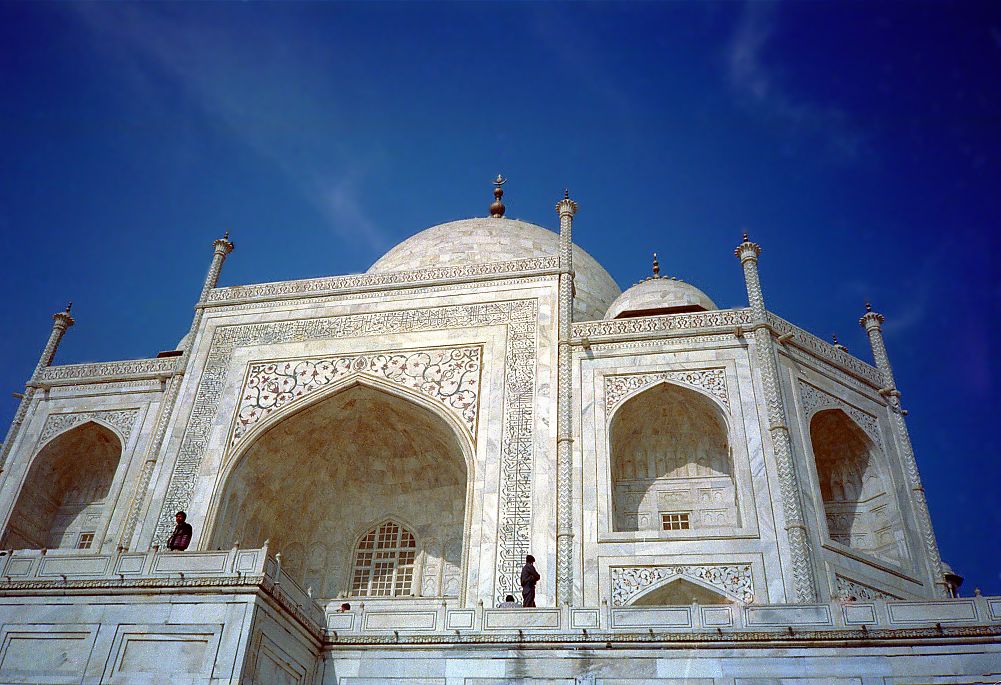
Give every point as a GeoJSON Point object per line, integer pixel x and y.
{"type": "Point", "coordinates": [566, 206]}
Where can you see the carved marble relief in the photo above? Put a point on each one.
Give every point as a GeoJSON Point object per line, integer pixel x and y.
{"type": "Point", "coordinates": [732, 580]}
{"type": "Point", "coordinates": [122, 419]}
{"type": "Point", "coordinates": [848, 589]}
{"type": "Point", "coordinates": [712, 381]}
{"type": "Point", "coordinates": [448, 376]}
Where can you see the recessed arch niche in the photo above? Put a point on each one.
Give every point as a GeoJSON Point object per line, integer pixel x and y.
{"type": "Point", "coordinates": [855, 487]}
{"type": "Point", "coordinates": [671, 463]}
{"type": "Point", "coordinates": [315, 481]}
{"type": "Point", "coordinates": [680, 591]}
{"type": "Point", "coordinates": [63, 500]}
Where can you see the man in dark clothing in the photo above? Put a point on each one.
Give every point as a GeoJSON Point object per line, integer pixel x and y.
{"type": "Point", "coordinates": [181, 537]}
{"type": "Point", "coordinates": [529, 577]}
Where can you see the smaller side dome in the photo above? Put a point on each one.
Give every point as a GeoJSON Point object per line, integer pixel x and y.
{"type": "Point", "coordinates": [659, 295]}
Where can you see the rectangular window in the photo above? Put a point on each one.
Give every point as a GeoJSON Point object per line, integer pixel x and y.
{"type": "Point", "coordinates": [85, 541]}
{"type": "Point", "coordinates": [675, 521]}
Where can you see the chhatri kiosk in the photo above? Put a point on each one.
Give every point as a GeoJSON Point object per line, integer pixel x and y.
{"type": "Point", "coordinates": [714, 496]}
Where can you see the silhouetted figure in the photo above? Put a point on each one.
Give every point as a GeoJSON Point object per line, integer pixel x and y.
{"type": "Point", "coordinates": [344, 608]}
{"type": "Point", "coordinates": [508, 603]}
{"type": "Point", "coordinates": [529, 577]}
{"type": "Point", "coordinates": [181, 537]}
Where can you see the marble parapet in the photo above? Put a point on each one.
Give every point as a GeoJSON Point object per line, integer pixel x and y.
{"type": "Point", "coordinates": [429, 621]}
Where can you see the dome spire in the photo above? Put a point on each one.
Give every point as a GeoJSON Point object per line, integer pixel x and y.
{"type": "Point", "coordinates": [497, 208]}
{"type": "Point", "coordinates": [656, 266]}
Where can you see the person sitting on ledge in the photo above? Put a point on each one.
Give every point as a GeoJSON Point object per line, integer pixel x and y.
{"type": "Point", "coordinates": [508, 603]}
{"type": "Point", "coordinates": [344, 608]}
{"type": "Point", "coordinates": [181, 537]}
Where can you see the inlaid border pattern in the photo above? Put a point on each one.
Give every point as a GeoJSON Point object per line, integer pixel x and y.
{"type": "Point", "coordinates": [450, 376]}
{"type": "Point", "coordinates": [521, 319]}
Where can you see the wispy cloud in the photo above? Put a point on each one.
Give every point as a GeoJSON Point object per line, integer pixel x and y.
{"type": "Point", "coordinates": [246, 85]}
{"type": "Point", "coordinates": [758, 87]}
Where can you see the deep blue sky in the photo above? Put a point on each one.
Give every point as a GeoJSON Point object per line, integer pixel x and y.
{"type": "Point", "coordinates": [858, 143]}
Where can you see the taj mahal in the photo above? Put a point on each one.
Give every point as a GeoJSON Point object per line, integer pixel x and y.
{"type": "Point", "coordinates": [713, 495]}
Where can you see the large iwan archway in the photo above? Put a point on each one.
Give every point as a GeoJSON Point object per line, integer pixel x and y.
{"type": "Point", "coordinates": [671, 463]}
{"type": "Point", "coordinates": [63, 500]}
{"type": "Point", "coordinates": [363, 493]}
{"type": "Point", "coordinates": [858, 497]}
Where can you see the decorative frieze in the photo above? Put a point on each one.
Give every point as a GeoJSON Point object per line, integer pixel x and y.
{"type": "Point", "coordinates": [315, 286]}
{"type": "Point", "coordinates": [712, 381]}
{"type": "Point", "coordinates": [815, 399]}
{"type": "Point", "coordinates": [122, 419]}
{"type": "Point", "coordinates": [129, 369]}
{"type": "Point", "coordinates": [718, 318]}
{"type": "Point", "coordinates": [516, 453]}
{"type": "Point", "coordinates": [450, 377]}
{"type": "Point", "coordinates": [848, 589]}
{"type": "Point", "coordinates": [826, 351]}
{"type": "Point", "coordinates": [732, 580]}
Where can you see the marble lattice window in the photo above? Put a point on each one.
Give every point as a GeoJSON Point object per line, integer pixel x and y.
{"type": "Point", "coordinates": [676, 521]}
{"type": "Point", "coordinates": [85, 541]}
{"type": "Point", "coordinates": [384, 562]}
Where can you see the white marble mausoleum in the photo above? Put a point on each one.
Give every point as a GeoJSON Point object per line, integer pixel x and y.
{"type": "Point", "coordinates": [713, 494]}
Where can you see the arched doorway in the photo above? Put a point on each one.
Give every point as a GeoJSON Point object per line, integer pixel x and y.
{"type": "Point", "coordinates": [320, 482]}
{"type": "Point", "coordinates": [671, 463]}
{"type": "Point", "coordinates": [859, 505]}
{"type": "Point", "coordinates": [63, 500]}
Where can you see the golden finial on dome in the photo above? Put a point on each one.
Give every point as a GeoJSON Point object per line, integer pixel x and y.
{"type": "Point", "coordinates": [656, 266]}
{"type": "Point", "coordinates": [497, 208]}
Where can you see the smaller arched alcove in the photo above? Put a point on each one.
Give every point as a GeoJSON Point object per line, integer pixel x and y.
{"type": "Point", "coordinates": [680, 591]}
{"type": "Point", "coordinates": [671, 463]}
{"type": "Point", "coordinates": [63, 500]}
{"type": "Point", "coordinates": [859, 505]}
{"type": "Point", "coordinates": [344, 486]}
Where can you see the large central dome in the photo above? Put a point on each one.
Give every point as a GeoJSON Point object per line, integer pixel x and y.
{"type": "Point", "coordinates": [489, 240]}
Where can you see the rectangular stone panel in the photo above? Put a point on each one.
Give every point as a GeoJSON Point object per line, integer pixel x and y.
{"type": "Point", "coordinates": [154, 653]}
{"type": "Point", "coordinates": [584, 618]}
{"type": "Point", "coordinates": [858, 614]}
{"type": "Point", "coordinates": [666, 617]}
{"type": "Point", "coordinates": [182, 562]}
{"type": "Point", "coordinates": [130, 564]}
{"type": "Point", "coordinates": [341, 621]}
{"type": "Point", "coordinates": [994, 607]}
{"type": "Point", "coordinates": [45, 653]}
{"type": "Point", "coordinates": [512, 619]}
{"type": "Point", "coordinates": [459, 618]}
{"type": "Point", "coordinates": [788, 615]}
{"type": "Point", "coordinates": [393, 681]}
{"type": "Point", "coordinates": [932, 612]}
{"type": "Point", "coordinates": [799, 681]}
{"type": "Point", "coordinates": [18, 568]}
{"type": "Point", "coordinates": [73, 566]}
{"type": "Point", "coordinates": [400, 620]}
{"type": "Point", "coordinates": [713, 617]}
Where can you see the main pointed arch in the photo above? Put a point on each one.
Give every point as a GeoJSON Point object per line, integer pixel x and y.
{"type": "Point", "coordinates": [855, 487]}
{"type": "Point", "coordinates": [63, 499]}
{"type": "Point", "coordinates": [316, 479]}
{"type": "Point", "coordinates": [671, 462]}
{"type": "Point", "coordinates": [679, 591]}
